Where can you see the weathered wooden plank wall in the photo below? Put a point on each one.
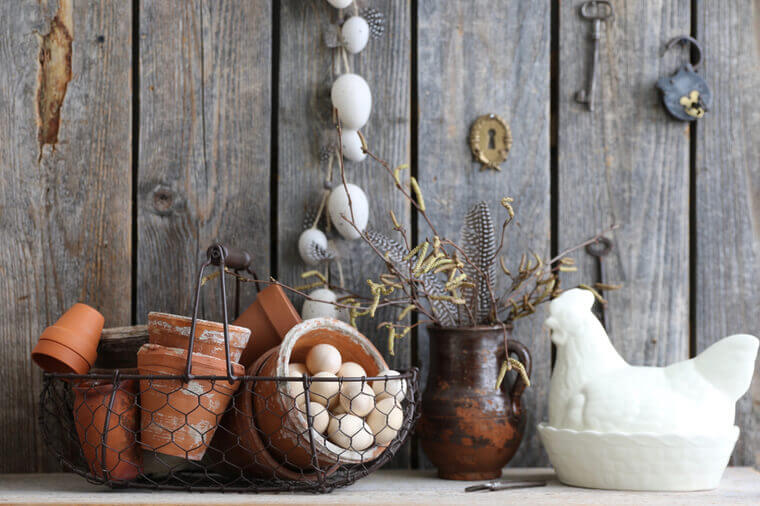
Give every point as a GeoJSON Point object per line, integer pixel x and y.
{"type": "Point", "coordinates": [186, 122]}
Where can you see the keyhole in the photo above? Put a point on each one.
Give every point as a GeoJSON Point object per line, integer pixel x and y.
{"type": "Point", "coordinates": [492, 139]}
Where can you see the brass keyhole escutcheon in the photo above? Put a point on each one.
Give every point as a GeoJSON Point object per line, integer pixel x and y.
{"type": "Point", "coordinates": [490, 141]}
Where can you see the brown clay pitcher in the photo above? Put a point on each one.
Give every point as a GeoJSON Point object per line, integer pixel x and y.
{"type": "Point", "coordinates": [468, 429]}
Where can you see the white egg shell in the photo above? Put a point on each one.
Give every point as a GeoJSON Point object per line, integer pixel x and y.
{"type": "Point", "coordinates": [350, 432]}
{"type": "Point", "coordinates": [308, 239]}
{"type": "Point", "coordinates": [354, 34]}
{"type": "Point", "coordinates": [385, 421]}
{"type": "Point", "coordinates": [352, 145]}
{"type": "Point", "coordinates": [337, 207]}
{"type": "Point", "coordinates": [352, 98]}
{"type": "Point", "coordinates": [389, 388]}
{"type": "Point", "coordinates": [351, 370]}
{"type": "Point", "coordinates": [340, 4]}
{"type": "Point", "coordinates": [323, 391]}
{"type": "Point", "coordinates": [324, 358]}
{"type": "Point", "coordinates": [320, 416]}
{"type": "Point", "coordinates": [357, 398]}
{"type": "Point", "coordinates": [320, 306]}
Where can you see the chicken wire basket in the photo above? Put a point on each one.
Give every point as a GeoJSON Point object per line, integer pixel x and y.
{"type": "Point", "coordinates": [236, 432]}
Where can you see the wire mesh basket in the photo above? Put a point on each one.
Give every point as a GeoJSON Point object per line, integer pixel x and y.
{"type": "Point", "coordinates": [181, 428]}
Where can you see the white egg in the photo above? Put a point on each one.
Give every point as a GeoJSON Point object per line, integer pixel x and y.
{"type": "Point", "coordinates": [323, 391]}
{"type": "Point", "coordinates": [295, 389]}
{"type": "Point", "coordinates": [385, 421]}
{"type": "Point", "coordinates": [337, 208]}
{"type": "Point", "coordinates": [354, 34]}
{"type": "Point", "coordinates": [357, 398]}
{"type": "Point", "coordinates": [320, 416]}
{"type": "Point", "coordinates": [324, 358]}
{"type": "Point", "coordinates": [350, 432]}
{"type": "Point", "coordinates": [340, 4]}
{"type": "Point", "coordinates": [321, 305]}
{"type": "Point", "coordinates": [389, 388]}
{"type": "Point", "coordinates": [352, 145]}
{"type": "Point", "coordinates": [311, 240]}
{"type": "Point", "coordinates": [352, 98]}
{"type": "Point", "coordinates": [351, 370]}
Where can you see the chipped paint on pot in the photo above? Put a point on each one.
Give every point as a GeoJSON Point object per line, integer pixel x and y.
{"type": "Point", "coordinates": [174, 331]}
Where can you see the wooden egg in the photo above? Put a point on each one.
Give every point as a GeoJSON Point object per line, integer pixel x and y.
{"type": "Point", "coordinates": [354, 34]}
{"type": "Point", "coordinates": [295, 388]}
{"type": "Point", "coordinates": [357, 398]}
{"type": "Point", "coordinates": [352, 146]}
{"type": "Point", "coordinates": [324, 358]}
{"type": "Point", "coordinates": [352, 98]}
{"type": "Point", "coordinates": [340, 4]}
{"type": "Point", "coordinates": [389, 388]}
{"type": "Point", "coordinates": [337, 207]}
{"type": "Point", "coordinates": [310, 242]}
{"type": "Point", "coordinates": [323, 391]}
{"type": "Point", "coordinates": [350, 432]}
{"type": "Point", "coordinates": [321, 305]}
{"type": "Point", "coordinates": [351, 370]}
{"type": "Point", "coordinates": [385, 420]}
{"type": "Point", "coordinates": [320, 416]}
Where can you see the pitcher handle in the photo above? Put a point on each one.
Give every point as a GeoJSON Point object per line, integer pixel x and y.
{"type": "Point", "coordinates": [519, 386]}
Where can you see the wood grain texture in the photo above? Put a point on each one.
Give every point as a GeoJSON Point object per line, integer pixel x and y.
{"type": "Point", "coordinates": [204, 150]}
{"type": "Point", "coordinates": [305, 125]}
{"type": "Point", "coordinates": [477, 58]}
{"type": "Point", "coordinates": [628, 163]}
{"type": "Point", "coordinates": [64, 209]}
{"type": "Point", "coordinates": [728, 195]}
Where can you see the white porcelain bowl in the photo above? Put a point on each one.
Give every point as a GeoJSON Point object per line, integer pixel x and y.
{"type": "Point", "coordinates": [638, 461]}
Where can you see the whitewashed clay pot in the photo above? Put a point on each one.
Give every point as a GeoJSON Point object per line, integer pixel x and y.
{"type": "Point", "coordinates": [310, 242]}
{"type": "Point", "coordinates": [617, 426]}
{"type": "Point", "coordinates": [352, 98]}
{"type": "Point", "coordinates": [354, 34]}
{"type": "Point", "coordinates": [352, 146]}
{"type": "Point", "coordinates": [338, 208]}
{"type": "Point", "coordinates": [321, 306]}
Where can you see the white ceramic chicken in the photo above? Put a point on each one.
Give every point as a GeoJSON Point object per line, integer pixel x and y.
{"type": "Point", "coordinates": [593, 388]}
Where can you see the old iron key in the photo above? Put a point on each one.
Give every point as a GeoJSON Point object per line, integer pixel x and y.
{"type": "Point", "coordinates": [600, 249]}
{"type": "Point", "coordinates": [595, 11]}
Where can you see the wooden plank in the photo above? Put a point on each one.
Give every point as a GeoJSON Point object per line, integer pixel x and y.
{"type": "Point", "coordinates": [628, 163]}
{"type": "Point", "coordinates": [476, 58]}
{"type": "Point", "coordinates": [727, 191]}
{"type": "Point", "coordinates": [740, 485]}
{"type": "Point", "coordinates": [64, 205]}
{"type": "Point", "coordinates": [305, 126]}
{"type": "Point", "coordinates": [204, 150]}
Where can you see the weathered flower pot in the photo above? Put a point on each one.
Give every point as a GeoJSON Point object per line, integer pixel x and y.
{"type": "Point", "coordinates": [468, 429]}
{"type": "Point", "coordinates": [173, 331]}
{"type": "Point", "coordinates": [178, 418]}
{"type": "Point", "coordinates": [71, 344]}
{"type": "Point", "coordinates": [107, 425]}
{"type": "Point", "coordinates": [270, 317]}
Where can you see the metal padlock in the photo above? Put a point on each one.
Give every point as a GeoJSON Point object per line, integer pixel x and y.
{"type": "Point", "coordinates": [685, 94]}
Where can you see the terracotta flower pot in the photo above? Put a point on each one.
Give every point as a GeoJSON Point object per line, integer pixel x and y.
{"type": "Point", "coordinates": [71, 344]}
{"type": "Point", "coordinates": [174, 332]}
{"type": "Point", "coordinates": [468, 429]}
{"type": "Point", "coordinates": [117, 457]}
{"type": "Point", "coordinates": [282, 425]}
{"type": "Point", "coordinates": [178, 418]}
{"type": "Point", "coordinates": [270, 317]}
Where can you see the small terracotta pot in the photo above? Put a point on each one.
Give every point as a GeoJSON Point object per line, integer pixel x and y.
{"type": "Point", "coordinates": [283, 427]}
{"type": "Point", "coordinates": [270, 317]}
{"type": "Point", "coordinates": [71, 344]}
{"type": "Point", "coordinates": [470, 430]}
{"type": "Point", "coordinates": [178, 418]}
{"type": "Point", "coordinates": [117, 457]}
{"type": "Point", "coordinates": [174, 332]}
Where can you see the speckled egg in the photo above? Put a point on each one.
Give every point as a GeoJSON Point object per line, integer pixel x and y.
{"type": "Point", "coordinates": [310, 242]}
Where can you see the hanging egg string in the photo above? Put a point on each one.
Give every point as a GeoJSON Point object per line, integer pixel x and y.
{"type": "Point", "coordinates": [351, 104]}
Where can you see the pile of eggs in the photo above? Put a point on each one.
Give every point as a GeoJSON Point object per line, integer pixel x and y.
{"type": "Point", "coordinates": [354, 415]}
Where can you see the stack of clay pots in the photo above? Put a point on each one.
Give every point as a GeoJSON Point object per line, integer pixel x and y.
{"type": "Point", "coordinates": [180, 418]}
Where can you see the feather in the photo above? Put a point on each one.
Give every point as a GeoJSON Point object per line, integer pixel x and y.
{"type": "Point", "coordinates": [479, 244]}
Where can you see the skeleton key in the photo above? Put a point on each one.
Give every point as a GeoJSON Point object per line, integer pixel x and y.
{"type": "Point", "coordinates": [600, 249]}
{"type": "Point", "coordinates": [595, 11]}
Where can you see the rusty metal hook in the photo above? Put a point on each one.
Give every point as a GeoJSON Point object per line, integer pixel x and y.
{"type": "Point", "coordinates": [684, 40]}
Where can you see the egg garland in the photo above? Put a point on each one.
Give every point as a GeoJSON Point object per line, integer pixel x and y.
{"type": "Point", "coordinates": [321, 304]}
{"type": "Point", "coordinates": [352, 145]}
{"type": "Point", "coordinates": [352, 99]}
{"type": "Point", "coordinates": [339, 210]}
{"type": "Point", "coordinates": [340, 4]}
{"type": "Point", "coordinates": [313, 246]}
{"type": "Point", "coordinates": [354, 34]}
{"type": "Point", "coordinates": [354, 415]}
